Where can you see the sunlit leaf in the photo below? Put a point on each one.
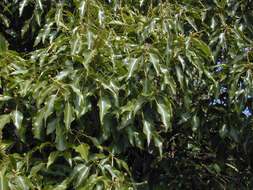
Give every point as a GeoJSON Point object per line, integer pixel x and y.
{"type": "Point", "coordinates": [155, 62]}
{"type": "Point", "coordinates": [3, 183]}
{"type": "Point", "coordinates": [165, 111]}
{"type": "Point", "coordinates": [104, 105]}
{"type": "Point", "coordinates": [132, 66]}
{"type": "Point", "coordinates": [22, 5]}
{"type": "Point", "coordinates": [5, 98]}
{"type": "Point", "coordinates": [147, 130]}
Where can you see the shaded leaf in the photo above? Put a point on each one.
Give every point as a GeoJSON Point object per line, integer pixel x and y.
{"type": "Point", "coordinates": [4, 119]}
{"type": "Point", "coordinates": [52, 157]}
{"type": "Point", "coordinates": [60, 140]}
{"type": "Point", "coordinates": [68, 115]}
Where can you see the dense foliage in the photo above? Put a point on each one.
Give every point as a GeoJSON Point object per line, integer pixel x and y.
{"type": "Point", "coordinates": [117, 94]}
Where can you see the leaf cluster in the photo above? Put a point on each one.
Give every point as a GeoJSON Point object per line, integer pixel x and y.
{"type": "Point", "coordinates": [126, 94]}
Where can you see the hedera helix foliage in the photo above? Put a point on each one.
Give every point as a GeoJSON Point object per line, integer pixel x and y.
{"type": "Point", "coordinates": [126, 94]}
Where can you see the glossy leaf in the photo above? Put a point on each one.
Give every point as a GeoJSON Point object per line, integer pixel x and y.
{"type": "Point", "coordinates": [104, 105]}
{"type": "Point", "coordinates": [82, 7]}
{"type": "Point", "coordinates": [165, 111]}
{"type": "Point", "coordinates": [17, 118]}
{"type": "Point", "coordinates": [132, 66]}
{"type": "Point", "coordinates": [38, 123]}
{"type": "Point", "coordinates": [22, 5]}
{"type": "Point", "coordinates": [60, 140]}
{"type": "Point", "coordinates": [82, 175]}
{"type": "Point", "coordinates": [147, 130]}
{"type": "Point", "coordinates": [68, 115]}
{"type": "Point", "coordinates": [49, 106]}
{"type": "Point", "coordinates": [155, 62]}
{"type": "Point", "coordinates": [158, 143]}
{"type": "Point", "coordinates": [5, 98]}
{"type": "Point", "coordinates": [22, 183]}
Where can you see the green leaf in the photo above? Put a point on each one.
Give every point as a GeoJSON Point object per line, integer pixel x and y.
{"type": "Point", "coordinates": [22, 5]}
{"type": "Point", "coordinates": [22, 182]}
{"type": "Point", "coordinates": [192, 23]}
{"type": "Point", "coordinates": [90, 39]}
{"type": "Point", "coordinates": [195, 123]}
{"type": "Point", "coordinates": [3, 47]}
{"type": "Point", "coordinates": [223, 131]}
{"type": "Point", "coordinates": [104, 105]}
{"type": "Point", "coordinates": [24, 86]}
{"type": "Point", "coordinates": [52, 157]}
{"type": "Point", "coordinates": [82, 175]}
{"type": "Point", "coordinates": [106, 127]}
{"type": "Point", "coordinates": [5, 20]}
{"type": "Point", "coordinates": [83, 149]}
{"type": "Point", "coordinates": [76, 44]}
{"type": "Point", "coordinates": [100, 17]}
{"type": "Point", "coordinates": [158, 143]}
{"type": "Point", "coordinates": [155, 61]}
{"type": "Point", "coordinates": [45, 92]}
{"type": "Point", "coordinates": [203, 47]}
{"type": "Point", "coordinates": [49, 106]}
{"type": "Point", "coordinates": [76, 170]}
{"type": "Point", "coordinates": [4, 119]}
{"type": "Point", "coordinates": [38, 123]}
{"type": "Point", "coordinates": [35, 169]}
{"type": "Point", "coordinates": [127, 119]}
{"type": "Point", "coordinates": [58, 16]}
{"type": "Point", "coordinates": [132, 66]}
{"type": "Point", "coordinates": [52, 125]}
{"type": "Point", "coordinates": [37, 15]}
{"type": "Point", "coordinates": [82, 8]}
{"type": "Point", "coordinates": [88, 58]}
{"type": "Point", "coordinates": [165, 111]}
{"type": "Point", "coordinates": [180, 75]}
{"type": "Point", "coordinates": [138, 104]}
{"type": "Point", "coordinates": [5, 98]}
{"type": "Point", "coordinates": [110, 170]}
{"type": "Point", "coordinates": [130, 134]}
{"type": "Point", "coordinates": [40, 4]}
{"type": "Point", "coordinates": [63, 74]}
{"type": "Point", "coordinates": [60, 140]}
{"type": "Point", "coordinates": [68, 157]}
{"type": "Point", "coordinates": [68, 115]}
{"type": "Point", "coordinates": [17, 118]}
{"type": "Point", "coordinates": [147, 130]}
{"type": "Point", "coordinates": [25, 28]}
{"type": "Point", "coordinates": [3, 183]}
